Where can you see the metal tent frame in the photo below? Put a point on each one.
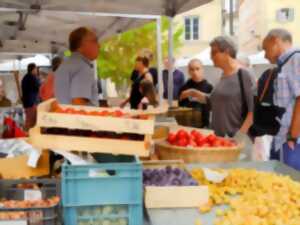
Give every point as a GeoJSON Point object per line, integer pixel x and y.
{"type": "Point", "coordinates": [168, 8]}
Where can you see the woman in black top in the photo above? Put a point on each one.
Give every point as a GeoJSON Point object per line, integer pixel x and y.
{"type": "Point", "coordinates": [142, 64]}
{"type": "Point", "coordinates": [196, 82]}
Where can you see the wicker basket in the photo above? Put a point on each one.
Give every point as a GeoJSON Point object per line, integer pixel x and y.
{"type": "Point", "coordinates": [160, 133]}
{"type": "Point", "coordinates": [165, 151]}
{"type": "Point", "coordinates": [186, 116]}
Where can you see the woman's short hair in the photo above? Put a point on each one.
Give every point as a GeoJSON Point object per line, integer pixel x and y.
{"type": "Point", "coordinates": [76, 37]}
{"type": "Point", "coordinates": [143, 60]}
{"type": "Point", "coordinates": [225, 44]}
{"type": "Point", "coordinates": [31, 67]}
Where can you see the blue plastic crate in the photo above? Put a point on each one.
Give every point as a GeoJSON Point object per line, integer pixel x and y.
{"type": "Point", "coordinates": [103, 194]}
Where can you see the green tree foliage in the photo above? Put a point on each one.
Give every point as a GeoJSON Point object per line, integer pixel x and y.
{"type": "Point", "coordinates": [117, 55]}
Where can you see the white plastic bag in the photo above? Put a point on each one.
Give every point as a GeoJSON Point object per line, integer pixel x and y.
{"type": "Point", "coordinates": [16, 147]}
{"type": "Point", "coordinates": [261, 148]}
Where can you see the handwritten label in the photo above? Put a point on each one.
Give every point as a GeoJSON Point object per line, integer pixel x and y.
{"type": "Point", "coordinates": [98, 173]}
{"type": "Point", "coordinates": [32, 195]}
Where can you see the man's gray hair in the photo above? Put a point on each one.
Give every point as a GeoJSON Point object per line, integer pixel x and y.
{"type": "Point", "coordinates": [280, 33]}
{"type": "Point", "coordinates": [225, 44]}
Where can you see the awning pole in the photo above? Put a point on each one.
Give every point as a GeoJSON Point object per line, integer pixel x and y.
{"type": "Point", "coordinates": [171, 68]}
{"type": "Point", "coordinates": [159, 59]}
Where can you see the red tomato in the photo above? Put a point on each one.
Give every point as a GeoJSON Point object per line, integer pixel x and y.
{"type": "Point", "coordinates": [217, 143]}
{"type": "Point", "coordinates": [94, 113]}
{"type": "Point", "coordinates": [200, 141]}
{"type": "Point", "coordinates": [70, 111]}
{"type": "Point", "coordinates": [118, 113]}
{"type": "Point", "coordinates": [143, 117]}
{"type": "Point", "coordinates": [182, 134]}
{"type": "Point", "coordinates": [104, 113]}
{"type": "Point", "coordinates": [196, 134]}
{"type": "Point", "coordinates": [172, 138]}
{"type": "Point", "coordinates": [211, 138]}
{"type": "Point", "coordinates": [182, 142]}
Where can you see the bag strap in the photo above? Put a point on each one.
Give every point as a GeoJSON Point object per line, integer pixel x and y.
{"type": "Point", "coordinates": [244, 101]}
{"type": "Point", "coordinates": [286, 60]}
{"type": "Point", "coordinates": [267, 85]}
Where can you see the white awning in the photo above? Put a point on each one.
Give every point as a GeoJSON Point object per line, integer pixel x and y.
{"type": "Point", "coordinates": [43, 25]}
{"type": "Point", "coordinates": [10, 65]}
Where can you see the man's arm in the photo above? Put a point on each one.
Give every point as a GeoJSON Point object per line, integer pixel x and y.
{"type": "Point", "coordinates": [247, 123]}
{"type": "Point", "coordinates": [295, 126]}
{"type": "Point", "coordinates": [124, 103]}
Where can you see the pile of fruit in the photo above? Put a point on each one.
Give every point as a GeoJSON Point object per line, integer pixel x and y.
{"type": "Point", "coordinates": [15, 204]}
{"type": "Point", "coordinates": [103, 211]}
{"type": "Point", "coordinates": [12, 215]}
{"type": "Point", "coordinates": [167, 177]}
{"type": "Point", "coordinates": [254, 198]}
{"type": "Point", "coordinates": [56, 108]}
{"type": "Point", "coordinates": [196, 139]}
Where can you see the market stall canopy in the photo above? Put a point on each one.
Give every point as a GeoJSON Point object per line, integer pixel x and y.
{"type": "Point", "coordinates": [205, 58]}
{"type": "Point", "coordinates": [16, 64]}
{"type": "Point", "coordinates": [42, 26]}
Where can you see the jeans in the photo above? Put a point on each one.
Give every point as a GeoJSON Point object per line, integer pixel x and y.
{"type": "Point", "coordinates": [292, 157]}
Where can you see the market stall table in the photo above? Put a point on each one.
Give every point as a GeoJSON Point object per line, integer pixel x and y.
{"type": "Point", "coordinates": [189, 216]}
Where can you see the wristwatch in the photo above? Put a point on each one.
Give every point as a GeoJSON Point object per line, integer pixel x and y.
{"type": "Point", "coordinates": [291, 138]}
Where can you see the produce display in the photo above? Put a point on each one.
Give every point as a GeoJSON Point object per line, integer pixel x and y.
{"type": "Point", "coordinates": [196, 139]}
{"type": "Point", "coordinates": [55, 107]}
{"type": "Point", "coordinates": [254, 198]}
{"type": "Point", "coordinates": [167, 177]}
{"type": "Point", "coordinates": [15, 204]}
{"type": "Point", "coordinates": [103, 211]}
{"type": "Point", "coordinates": [12, 215]}
{"type": "Point", "coordinates": [28, 186]}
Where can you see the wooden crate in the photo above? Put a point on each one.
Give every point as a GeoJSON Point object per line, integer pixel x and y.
{"type": "Point", "coordinates": [90, 144]}
{"type": "Point", "coordinates": [46, 118]}
{"type": "Point", "coordinates": [17, 168]}
{"type": "Point", "coordinates": [164, 197]}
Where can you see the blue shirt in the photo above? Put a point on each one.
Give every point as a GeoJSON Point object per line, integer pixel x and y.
{"type": "Point", "coordinates": [75, 78]}
{"type": "Point", "coordinates": [287, 89]}
{"type": "Point", "coordinates": [178, 82]}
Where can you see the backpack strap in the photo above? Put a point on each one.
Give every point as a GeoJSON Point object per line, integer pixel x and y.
{"type": "Point", "coordinates": [267, 84]}
{"type": "Point", "coordinates": [242, 87]}
{"type": "Point", "coordinates": [280, 65]}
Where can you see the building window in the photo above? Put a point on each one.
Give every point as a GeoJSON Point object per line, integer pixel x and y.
{"type": "Point", "coordinates": [191, 25]}
{"type": "Point", "coordinates": [227, 3]}
{"type": "Point", "coordinates": [285, 15]}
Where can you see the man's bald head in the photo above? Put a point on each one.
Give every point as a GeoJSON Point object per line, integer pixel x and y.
{"type": "Point", "coordinates": [195, 68]}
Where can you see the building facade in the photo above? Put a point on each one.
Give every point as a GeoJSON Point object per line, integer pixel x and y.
{"type": "Point", "coordinates": [201, 25]}
{"type": "Point", "coordinates": [257, 17]}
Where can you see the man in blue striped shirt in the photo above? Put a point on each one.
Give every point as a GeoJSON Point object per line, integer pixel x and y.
{"type": "Point", "coordinates": [279, 50]}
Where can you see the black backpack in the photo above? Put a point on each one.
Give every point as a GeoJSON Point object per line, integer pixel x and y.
{"type": "Point", "coordinates": [267, 115]}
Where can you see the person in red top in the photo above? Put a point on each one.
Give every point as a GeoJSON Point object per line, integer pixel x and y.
{"type": "Point", "coordinates": [47, 88]}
